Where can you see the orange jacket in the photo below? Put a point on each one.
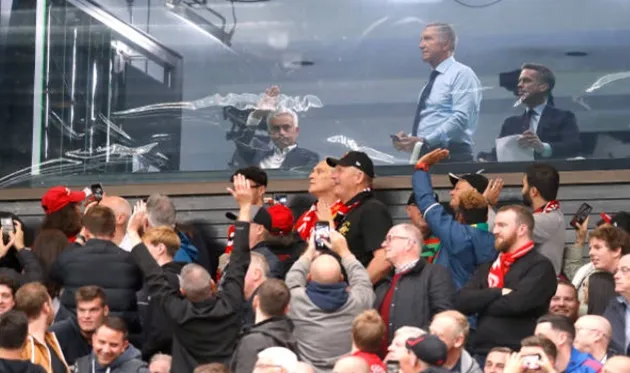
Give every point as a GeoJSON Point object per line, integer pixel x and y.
{"type": "Point", "coordinates": [38, 353]}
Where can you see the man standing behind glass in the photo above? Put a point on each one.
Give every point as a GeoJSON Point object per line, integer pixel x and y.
{"type": "Point", "coordinates": [448, 106]}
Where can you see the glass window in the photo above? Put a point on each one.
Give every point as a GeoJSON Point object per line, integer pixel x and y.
{"type": "Point", "coordinates": [159, 91]}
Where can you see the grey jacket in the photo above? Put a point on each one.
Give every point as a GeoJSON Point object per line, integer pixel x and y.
{"type": "Point", "coordinates": [549, 235]}
{"type": "Point", "coordinates": [468, 364]}
{"type": "Point", "coordinates": [129, 362]}
{"type": "Point", "coordinates": [324, 337]}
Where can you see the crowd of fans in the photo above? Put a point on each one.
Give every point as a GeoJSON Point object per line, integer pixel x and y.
{"type": "Point", "coordinates": [467, 286]}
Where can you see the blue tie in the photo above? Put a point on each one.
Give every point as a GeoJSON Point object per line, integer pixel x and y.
{"type": "Point", "coordinates": [422, 103]}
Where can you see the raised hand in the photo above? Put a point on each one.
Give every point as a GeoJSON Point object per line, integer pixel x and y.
{"type": "Point", "coordinates": [242, 191]}
{"type": "Point", "coordinates": [492, 192]}
{"type": "Point", "coordinates": [434, 157]}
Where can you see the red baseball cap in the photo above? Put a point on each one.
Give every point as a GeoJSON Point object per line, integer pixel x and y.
{"type": "Point", "coordinates": [59, 197]}
{"type": "Point", "coordinates": [281, 219]}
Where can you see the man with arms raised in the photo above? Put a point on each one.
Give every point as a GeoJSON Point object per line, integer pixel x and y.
{"type": "Point", "coordinates": [205, 323]}
{"type": "Point", "coordinates": [363, 220]}
{"type": "Point", "coordinates": [512, 292]}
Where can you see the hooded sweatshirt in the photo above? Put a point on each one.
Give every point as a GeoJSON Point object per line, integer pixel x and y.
{"type": "Point", "coordinates": [273, 332]}
{"type": "Point", "coordinates": [129, 362]}
{"type": "Point", "coordinates": [19, 366]}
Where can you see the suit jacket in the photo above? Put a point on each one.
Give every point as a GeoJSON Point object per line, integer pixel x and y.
{"type": "Point", "coordinates": [556, 127]}
{"type": "Point", "coordinates": [296, 158]}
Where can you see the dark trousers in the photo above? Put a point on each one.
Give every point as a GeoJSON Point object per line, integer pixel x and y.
{"type": "Point", "coordinates": [459, 152]}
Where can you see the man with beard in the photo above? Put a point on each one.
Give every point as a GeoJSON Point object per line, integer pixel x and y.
{"type": "Point", "coordinates": [41, 347]}
{"type": "Point", "coordinates": [540, 189]}
{"type": "Point", "coordinates": [565, 301]}
{"type": "Point", "coordinates": [512, 292]}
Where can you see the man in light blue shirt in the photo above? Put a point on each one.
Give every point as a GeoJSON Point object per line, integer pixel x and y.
{"type": "Point", "coordinates": [448, 106]}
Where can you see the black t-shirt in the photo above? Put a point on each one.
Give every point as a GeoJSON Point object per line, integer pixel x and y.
{"type": "Point", "coordinates": [57, 365]}
{"type": "Point", "coordinates": [365, 226]}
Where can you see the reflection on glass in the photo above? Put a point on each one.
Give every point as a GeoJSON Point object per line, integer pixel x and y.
{"type": "Point", "coordinates": [94, 87]}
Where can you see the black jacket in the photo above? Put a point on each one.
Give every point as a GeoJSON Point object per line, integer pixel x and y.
{"type": "Point", "coordinates": [158, 331]}
{"type": "Point", "coordinates": [506, 320]}
{"type": "Point", "coordinates": [427, 289]}
{"type": "Point", "coordinates": [104, 264]}
{"type": "Point", "coordinates": [365, 226]}
{"type": "Point", "coordinates": [73, 344]}
{"type": "Point", "coordinates": [616, 314]}
{"type": "Point", "coordinates": [203, 332]}
{"type": "Point", "coordinates": [19, 366]}
{"type": "Point", "coordinates": [31, 269]}
{"type": "Point", "coordinates": [275, 332]}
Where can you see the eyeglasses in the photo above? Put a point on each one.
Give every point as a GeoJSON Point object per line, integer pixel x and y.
{"type": "Point", "coordinates": [624, 270]}
{"type": "Point", "coordinates": [389, 238]}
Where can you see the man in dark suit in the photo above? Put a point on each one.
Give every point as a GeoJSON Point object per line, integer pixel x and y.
{"type": "Point", "coordinates": [277, 149]}
{"type": "Point", "coordinates": [550, 132]}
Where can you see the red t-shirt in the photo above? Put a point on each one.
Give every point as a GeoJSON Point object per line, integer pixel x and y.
{"type": "Point", "coordinates": [375, 362]}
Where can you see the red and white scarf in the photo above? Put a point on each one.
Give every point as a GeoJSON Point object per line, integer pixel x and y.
{"type": "Point", "coordinates": [502, 265]}
{"type": "Point", "coordinates": [549, 207]}
{"type": "Point", "coordinates": [305, 223]}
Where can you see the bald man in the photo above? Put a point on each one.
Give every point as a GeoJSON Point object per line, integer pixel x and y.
{"type": "Point", "coordinates": [617, 364]}
{"type": "Point", "coordinates": [351, 364]}
{"type": "Point", "coordinates": [122, 210]}
{"type": "Point", "coordinates": [323, 306]}
{"type": "Point", "coordinates": [592, 335]}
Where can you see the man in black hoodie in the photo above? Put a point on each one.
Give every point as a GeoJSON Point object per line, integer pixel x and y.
{"type": "Point", "coordinates": [205, 323]}
{"type": "Point", "coordinates": [13, 333]}
{"type": "Point", "coordinates": [162, 243]}
{"type": "Point", "coordinates": [510, 294]}
{"type": "Point", "coordinates": [272, 329]}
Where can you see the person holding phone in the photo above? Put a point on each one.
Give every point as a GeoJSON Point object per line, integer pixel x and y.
{"type": "Point", "coordinates": [537, 355]}
{"type": "Point", "coordinates": [448, 106]}
{"type": "Point", "coordinates": [323, 306]}
{"type": "Point", "coordinates": [27, 269]}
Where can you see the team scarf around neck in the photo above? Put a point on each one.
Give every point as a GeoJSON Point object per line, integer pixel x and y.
{"type": "Point", "coordinates": [548, 207]}
{"type": "Point", "coordinates": [502, 265]}
{"type": "Point", "coordinates": [305, 223]}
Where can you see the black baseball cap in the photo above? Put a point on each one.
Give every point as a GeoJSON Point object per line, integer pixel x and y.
{"type": "Point", "coordinates": [412, 199]}
{"type": "Point", "coordinates": [428, 348]}
{"type": "Point", "coordinates": [477, 180]}
{"type": "Point", "coordinates": [252, 173]}
{"type": "Point", "coordinates": [359, 160]}
{"type": "Point", "coordinates": [259, 215]}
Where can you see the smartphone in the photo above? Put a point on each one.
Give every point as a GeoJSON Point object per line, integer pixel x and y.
{"type": "Point", "coordinates": [393, 366]}
{"type": "Point", "coordinates": [580, 216]}
{"type": "Point", "coordinates": [322, 234]}
{"type": "Point", "coordinates": [7, 225]}
{"type": "Point", "coordinates": [282, 198]}
{"type": "Point", "coordinates": [97, 191]}
{"type": "Point", "coordinates": [531, 362]}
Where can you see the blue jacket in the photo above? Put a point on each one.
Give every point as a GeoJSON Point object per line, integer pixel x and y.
{"type": "Point", "coordinates": [463, 248]}
{"type": "Point", "coordinates": [582, 362]}
{"type": "Point", "coordinates": [187, 252]}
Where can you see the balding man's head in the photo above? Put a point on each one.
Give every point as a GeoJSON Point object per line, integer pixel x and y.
{"type": "Point", "coordinates": [351, 364]}
{"type": "Point", "coordinates": [592, 335]}
{"type": "Point", "coordinates": [121, 208]}
{"type": "Point", "coordinates": [617, 364]}
{"type": "Point", "coordinates": [196, 283]}
{"type": "Point", "coordinates": [325, 269]}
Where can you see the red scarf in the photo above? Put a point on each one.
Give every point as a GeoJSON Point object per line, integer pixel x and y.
{"type": "Point", "coordinates": [305, 223]}
{"type": "Point", "coordinates": [549, 207]}
{"type": "Point", "coordinates": [502, 265]}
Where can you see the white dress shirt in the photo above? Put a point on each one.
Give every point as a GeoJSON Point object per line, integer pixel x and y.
{"type": "Point", "coordinates": [275, 159]}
